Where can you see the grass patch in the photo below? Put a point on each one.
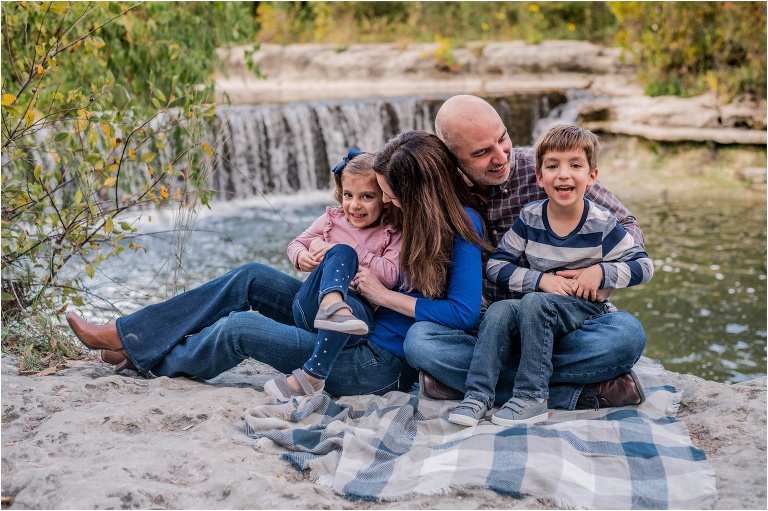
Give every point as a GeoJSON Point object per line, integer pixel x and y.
{"type": "Point", "coordinates": [38, 342]}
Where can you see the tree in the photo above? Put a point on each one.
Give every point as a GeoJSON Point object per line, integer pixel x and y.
{"type": "Point", "coordinates": [104, 111]}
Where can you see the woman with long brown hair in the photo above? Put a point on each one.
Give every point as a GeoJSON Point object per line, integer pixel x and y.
{"type": "Point", "coordinates": [210, 329]}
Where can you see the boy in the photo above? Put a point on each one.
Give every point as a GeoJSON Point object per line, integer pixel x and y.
{"type": "Point", "coordinates": [565, 231]}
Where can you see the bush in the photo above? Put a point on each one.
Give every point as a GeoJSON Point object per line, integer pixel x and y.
{"type": "Point", "coordinates": [686, 48]}
{"type": "Point", "coordinates": [104, 113]}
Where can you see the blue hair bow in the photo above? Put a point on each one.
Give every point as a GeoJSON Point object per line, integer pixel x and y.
{"type": "Point", "coordinates": [352, 153]}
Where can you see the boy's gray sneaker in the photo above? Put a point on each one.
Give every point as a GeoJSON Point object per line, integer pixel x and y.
{"type": "Point", "coordinates": [469, 412]}
{"type": "Point", "coordinates": [520, 411]}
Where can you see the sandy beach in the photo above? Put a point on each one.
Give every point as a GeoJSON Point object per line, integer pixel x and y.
{"type": "Point", "coordinates": [85, 438]}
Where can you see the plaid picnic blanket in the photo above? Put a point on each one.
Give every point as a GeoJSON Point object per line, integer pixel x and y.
{"type": "Point", "coordinates": [397, 445]}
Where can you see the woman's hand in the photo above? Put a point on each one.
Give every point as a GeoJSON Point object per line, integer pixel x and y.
{"type": "Point", "coordinates": [368, 284]}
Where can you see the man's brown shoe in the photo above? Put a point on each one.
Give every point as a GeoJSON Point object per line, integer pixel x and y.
{"type": "Point", "coordinates": [436, 389]}
{"type": "Point", "coordinates": [623, 390]}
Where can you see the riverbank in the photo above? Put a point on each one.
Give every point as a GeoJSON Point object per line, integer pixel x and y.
{"type": "Point", "coordinates": [304, 72]}
{"type": "Point", "coordinates": [83, 437]}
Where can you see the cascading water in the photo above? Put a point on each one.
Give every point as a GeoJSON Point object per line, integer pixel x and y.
{"type": "Point", "coordinates": [285, 148]}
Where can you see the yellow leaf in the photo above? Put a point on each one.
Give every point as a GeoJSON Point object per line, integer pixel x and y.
{"type": "Point", "coordinates": [81, 124]}
{"type": "Point", "coordinates": [170, 169]}
{"type": "Point", "coordinates": [109, 225]}
{"type": "Point", "coordinates": [150, 170]}
{"type": "Point", "coordinates": [110, 181]}
{"type": "Point", "coordinates": [177, 195]}
{"type": "Point", "coordinates": [131, 154]}
{"type": "Point", "coordinates": [207, 149]}
{"type": "Point", "coordinates": [40, 69]}
{"type": "Point", "coordinates": [29, 118]}
{"type": "Point", "coordinates": [90, 270]}
{"type": "Point", "coordinates": [163, 192]}
{"type": "Point", "coordinates": [78, 196]}
{"type": "Point", "coordinates": [148, 157]}
{"type": "Point", "coordinates": [38, 171]}
{"type": "Point", "coordinates": [8, 99]}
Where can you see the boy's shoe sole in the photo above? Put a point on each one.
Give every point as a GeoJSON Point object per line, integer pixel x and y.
{"type": "Point", "coordinates": [462, 420]}
{"type": "Point", "coordinates": [531, 420]}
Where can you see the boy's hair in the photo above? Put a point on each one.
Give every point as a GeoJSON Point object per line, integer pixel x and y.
{"type": "Point", "coordinates": [361, 165]}
{"type": "Point", "coordinates": [566, 137]}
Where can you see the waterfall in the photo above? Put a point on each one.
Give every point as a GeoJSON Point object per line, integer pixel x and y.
{"type": "Point", "coordinates": [273, 148]}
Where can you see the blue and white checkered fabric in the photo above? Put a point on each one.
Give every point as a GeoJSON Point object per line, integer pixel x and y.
{"type": "Point", "coordinates": [394, 446]}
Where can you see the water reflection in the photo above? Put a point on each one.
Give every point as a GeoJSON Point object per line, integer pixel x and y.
{"type": "Point", "coordinates": [704, 311]}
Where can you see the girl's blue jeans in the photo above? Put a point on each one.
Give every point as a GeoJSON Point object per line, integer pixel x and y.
{"type": "Point", "coordinates": [247, 313]}
{"type": "Point", "coordinates": [525, 328]}
{"type": "Point", "coordinates": [334, 273]}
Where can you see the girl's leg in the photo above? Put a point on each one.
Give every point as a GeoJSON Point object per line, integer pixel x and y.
{"type": "Point", "coordinates": [331, 277]}
{"type": "Point", "coordinates": [330, 280]}
{"type": "Point", "coordinates": [151, 333]}
{"type": "Point", "coordinates": [361, 368]}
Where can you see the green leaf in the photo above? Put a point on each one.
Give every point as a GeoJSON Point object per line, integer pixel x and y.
{"type": "Point", "coordinates": [90, 270]}
{"type": "Point", "coordinates": [63, 135]}
{"type": "Point", "coordinates": [7, 297]}
{"type": "Point", "coordinates": [38, 171]}
{"type": "Point", "coordinates": [78, 196]}
{"type": "Point", "coordinates": [126, 226]}
{"type": "Point", "coordinates": [159, 95]}
{"type": "Point", "coordinates": [77, 301]}
{"type": "Point", "coordinates": [40, 50]}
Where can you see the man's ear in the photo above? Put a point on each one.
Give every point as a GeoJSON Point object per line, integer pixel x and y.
{"type": "Point", "coordinates": [465, 178]}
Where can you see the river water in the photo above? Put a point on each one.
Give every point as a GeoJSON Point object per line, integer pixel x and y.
{"type": "Point", "coordinates": [704, 311]}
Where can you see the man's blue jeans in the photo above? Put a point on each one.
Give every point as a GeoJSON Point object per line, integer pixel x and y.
{"type": "Point", "coordinates": [246, 313]}
{"type": "Point", "coordinates": [334, 273]}
{"type": "Point", "coordinates": [527, 328]}
{"type": "Point", "coordinates": [603, 348]}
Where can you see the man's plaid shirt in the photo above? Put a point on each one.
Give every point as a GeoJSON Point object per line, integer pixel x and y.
{"type": "Point", "coordinates": [508, 199]}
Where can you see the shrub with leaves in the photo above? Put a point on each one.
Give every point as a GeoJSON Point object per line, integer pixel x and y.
{"type": "Point", "coordinates": [686, 48]}
{"type": "Point", "coordinates": [98, 122]}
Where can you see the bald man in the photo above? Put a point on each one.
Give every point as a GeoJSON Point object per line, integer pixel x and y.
{"type": "Point", "coordinates": [591, 366]}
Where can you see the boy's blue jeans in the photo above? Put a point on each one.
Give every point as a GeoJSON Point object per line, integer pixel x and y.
{"type": "Point", "coordinates": [525, 328]}
{"type": "Point", "coordinates": [246, 313]}
{"type": "Point", "coordinates": [334, 273]}
{"type": "Point", "coordinates": [603, 348]}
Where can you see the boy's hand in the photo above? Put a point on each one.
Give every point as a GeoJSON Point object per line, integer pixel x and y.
{"type": "Point", "coordinates": [601, 295]}
{"type": "Point", "coordinates": [307, 262]}
{"type": "Point", "coordinates": [550, 283]}
{"type": "Point", "coordinates": [588, 282]}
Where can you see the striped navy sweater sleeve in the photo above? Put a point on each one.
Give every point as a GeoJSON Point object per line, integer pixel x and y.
{"type": "Point", "coordinates": [530, 248]}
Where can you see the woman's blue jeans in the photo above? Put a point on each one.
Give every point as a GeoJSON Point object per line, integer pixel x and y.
{"type": "Point", "coordinates": [334, 273]}
{"type": "Point", "coordinates": [246, 313]}
{"type": "Point", "coordinates": [603, 348]}
{"type": "Point", "coordinates": [527, 328]}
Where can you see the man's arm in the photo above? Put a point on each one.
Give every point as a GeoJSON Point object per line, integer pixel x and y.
{"type": "Point", "coordinates": [603, 197]}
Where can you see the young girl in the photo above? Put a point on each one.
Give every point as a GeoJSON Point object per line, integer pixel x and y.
{"type": "Point", "coordinates": [361, 232]}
